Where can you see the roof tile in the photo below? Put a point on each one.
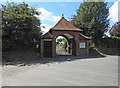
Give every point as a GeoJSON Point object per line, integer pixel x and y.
{"type": "Point", "coordinates": [63, 24]}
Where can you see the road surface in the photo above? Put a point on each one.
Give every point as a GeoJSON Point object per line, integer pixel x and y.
{"type": "Point", "coordinates": [102, 71]}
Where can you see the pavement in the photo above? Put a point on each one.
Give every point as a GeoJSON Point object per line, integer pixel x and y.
{"type": "Point", "coordinates": [0, 76]}
{"type": "Point", "coordinates": [100, 71]}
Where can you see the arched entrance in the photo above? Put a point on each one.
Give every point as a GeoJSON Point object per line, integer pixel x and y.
{"type": "Point", "coordinates": [62, 46]}
{"type": "Point", "coordinates": [68, 45]}
{"type": "Point", "coordinates": [77, 42]}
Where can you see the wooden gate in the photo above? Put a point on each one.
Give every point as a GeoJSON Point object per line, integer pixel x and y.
{"type": "Point", "coordinates": [47, 48]}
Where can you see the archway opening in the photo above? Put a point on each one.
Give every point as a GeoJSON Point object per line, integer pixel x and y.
{"type": "Point", "coordinates": [62, 46]}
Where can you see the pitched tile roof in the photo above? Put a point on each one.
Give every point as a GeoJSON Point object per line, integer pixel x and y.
{"type": "Point", "coordinates": [47, 36]}
{"type": "Point", "coordinates": [63, 24]}
{"type": "Point", "coordinates": [86, 37]}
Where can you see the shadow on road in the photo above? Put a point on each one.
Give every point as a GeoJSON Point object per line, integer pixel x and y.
{"type": "Point", "coordinates": [57, 59]}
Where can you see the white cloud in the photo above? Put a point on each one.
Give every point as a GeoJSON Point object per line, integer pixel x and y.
{"type": "Point", "coordinates": [56, 18]}
{"type": "Point", "coordinates": [46, 15]}
{"type": "Point", "coordinates": [45, 28]}
{"type": "Point", "coordinates": [113, 12]}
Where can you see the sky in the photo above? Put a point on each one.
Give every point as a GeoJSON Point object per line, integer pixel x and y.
{"type": "Point", "coordinates": [52, 11]}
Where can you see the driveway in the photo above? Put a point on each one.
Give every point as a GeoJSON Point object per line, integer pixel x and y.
{"type": "Point", "coordinates": [101, 71]}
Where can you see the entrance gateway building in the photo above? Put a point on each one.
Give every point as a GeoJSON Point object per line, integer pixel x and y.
{"type": "Point", "coordinates": [79, 43]}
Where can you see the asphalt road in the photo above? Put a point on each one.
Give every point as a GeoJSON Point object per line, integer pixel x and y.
{"type": "Point", "coordinates": [81, 72]}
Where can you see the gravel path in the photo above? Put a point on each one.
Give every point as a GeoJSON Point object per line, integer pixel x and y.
{"type": "Point", "coordinates": [80, 72]}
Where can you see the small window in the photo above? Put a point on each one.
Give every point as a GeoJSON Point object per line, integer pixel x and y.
{"type": "Point", "coordinates": [82, 45]}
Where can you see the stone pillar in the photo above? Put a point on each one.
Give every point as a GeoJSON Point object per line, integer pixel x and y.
{"type": "Point", "coordinates": [54, 47]}
{"type": "Point", "coordinates": [41, 48]}
{"type": "Point", "coordinates": [69, 47]}
{"type": "Point", "coordinates": [87, 47]}
{"type": "Point", "coordinates": [77, 46]}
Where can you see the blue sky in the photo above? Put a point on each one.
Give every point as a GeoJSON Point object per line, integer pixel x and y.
{"type": "Point", "coordinates": [57, 9]}
{"type": "Point", "coordinates": [52, 11]}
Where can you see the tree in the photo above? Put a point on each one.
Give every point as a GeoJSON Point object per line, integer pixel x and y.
{"type": "Point", "coordinates": [20, 26]}
{"type": "Point", "coordinates": [92, 17]}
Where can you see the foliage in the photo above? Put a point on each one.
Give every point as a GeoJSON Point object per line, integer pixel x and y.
{"type": "Point", "coordinates": [92, 17]}
{"type": "Point", "coordinates": [60, 40]}
{"type": "Point", "coordinates": [20, 26]}
{"type": "Point", "coordinates": [112, 37]}
{"type": "Point", "coordinates": [105, 36]}
{"type": "Point", "coordinates": [115, 30]}
{"type": "Point", "coordinates": [63, 42]}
